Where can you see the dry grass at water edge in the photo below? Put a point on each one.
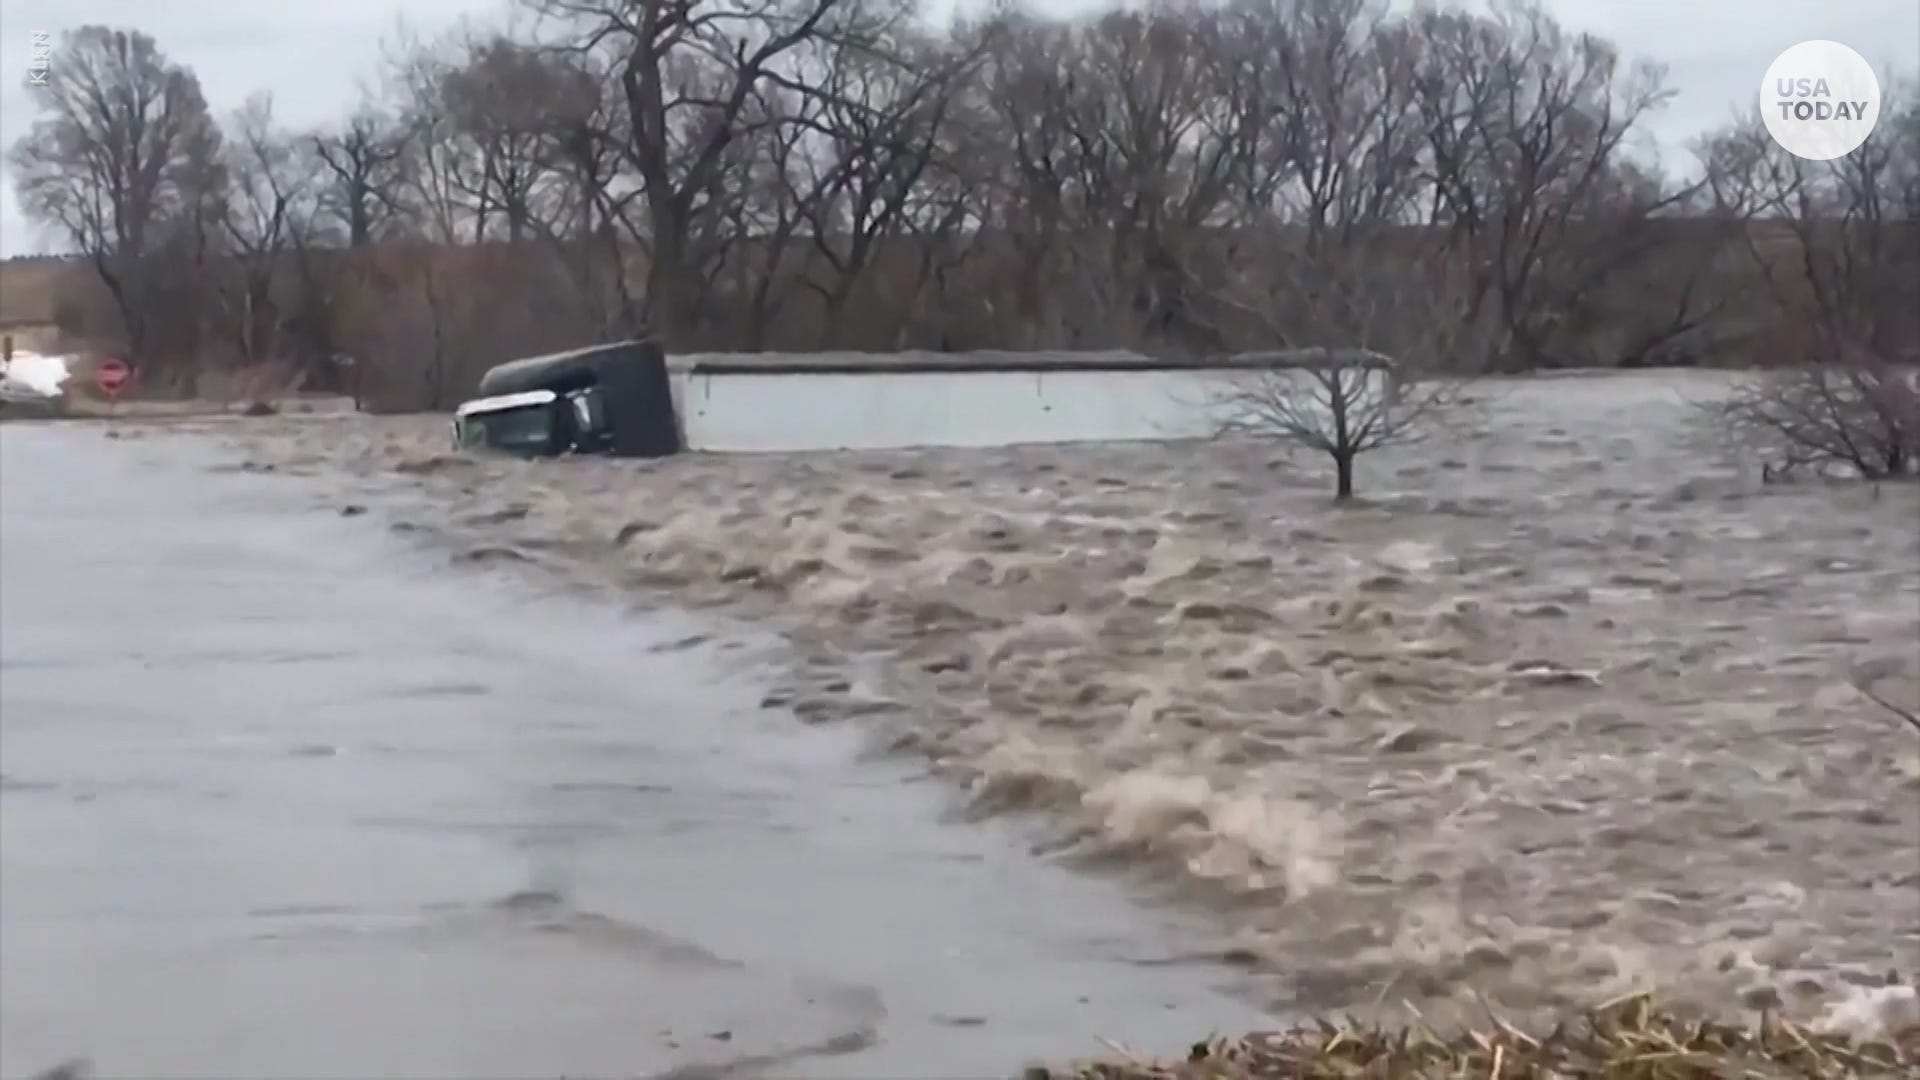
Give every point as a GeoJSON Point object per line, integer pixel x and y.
{"type": "Point", "coordinates": [1630, 1039]}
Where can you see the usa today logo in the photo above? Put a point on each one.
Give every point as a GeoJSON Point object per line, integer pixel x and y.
{"type": "Point", "coordinates": [1820, 100]}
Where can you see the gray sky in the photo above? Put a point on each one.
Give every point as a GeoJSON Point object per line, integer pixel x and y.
{"type": "Point", "coordinates": [314, 56]}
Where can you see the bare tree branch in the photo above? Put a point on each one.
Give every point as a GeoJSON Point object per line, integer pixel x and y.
{"type": "Point", "coordinates": [125, 164]}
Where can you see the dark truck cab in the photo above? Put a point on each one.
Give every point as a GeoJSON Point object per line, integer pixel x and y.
{"type": "Point", "coordinates": [609, 399]}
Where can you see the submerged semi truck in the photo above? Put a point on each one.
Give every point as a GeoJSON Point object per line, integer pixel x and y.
{"type": "Point", "coordinates": [610, 399]}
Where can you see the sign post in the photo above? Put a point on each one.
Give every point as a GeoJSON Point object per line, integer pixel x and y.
{"type": "Point", "coordinates": [111, 377]}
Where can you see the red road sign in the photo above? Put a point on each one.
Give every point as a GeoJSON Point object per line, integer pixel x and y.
{"type": "Point", "coordinates": [111, 376]}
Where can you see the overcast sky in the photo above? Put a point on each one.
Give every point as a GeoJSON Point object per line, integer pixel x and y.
{"type": "Point", "coordinates": [314, 56]}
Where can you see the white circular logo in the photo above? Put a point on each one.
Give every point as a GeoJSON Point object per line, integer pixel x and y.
{"type": "Point", "coordinates": [1820, 100]}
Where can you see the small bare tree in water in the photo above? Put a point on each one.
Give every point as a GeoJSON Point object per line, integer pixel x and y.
{"type": "Point", "coordinates": [1863, 415]}
{"type": "Point", "coordinates": [1836, 246]}
{"type": "Point", "coordinates": [1372, 324]}
{"type": "Point", "coordinates": [1339, 402]}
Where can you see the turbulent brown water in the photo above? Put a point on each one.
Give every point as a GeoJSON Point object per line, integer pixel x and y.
{"type": "Point", "coordinates": [283, 795]}
{"type": "Point", "coordinates": [1562, 708]}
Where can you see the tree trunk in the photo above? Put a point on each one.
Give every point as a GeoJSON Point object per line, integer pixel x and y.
{"type": "Point", "coordinates": [1343, 465]}
{"type": "Point", "coordinates": [359, 219]}
{"type": "Point", "coordinates": [666, 301]}
{"type": "Point", "coordinates": [671, 291]}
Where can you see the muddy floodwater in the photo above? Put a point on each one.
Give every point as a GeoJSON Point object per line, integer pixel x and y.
{"type": "Point", "coordinates": [1564, 707]}
{"type": "Point", "coordinates": [282, 793]}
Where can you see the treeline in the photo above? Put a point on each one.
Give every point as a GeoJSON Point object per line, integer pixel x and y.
{"type": "Point", "coordinates": [1466, 190]}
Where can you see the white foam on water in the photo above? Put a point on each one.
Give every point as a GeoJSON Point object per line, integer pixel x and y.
{"type": "Point", "coordinates": [1874, 1013]}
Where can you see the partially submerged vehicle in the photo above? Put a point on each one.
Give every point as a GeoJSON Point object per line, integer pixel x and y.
{"type": "Point", "coordinates": [21, 400]}
{"type": "Point", "coordinates": [609, 399]}
{"type": "Point", "coordinates": [630, 399]}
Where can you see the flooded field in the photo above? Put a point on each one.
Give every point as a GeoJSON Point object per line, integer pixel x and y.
{"type": "Point", "coordinates": [1562, 708]}
{"type": "Point", "coordinates": [283, 794]}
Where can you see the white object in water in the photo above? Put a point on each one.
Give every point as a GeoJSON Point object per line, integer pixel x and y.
{"type": "Point", "coordinates": [40, 374]}
{"type": "Point", "coordinates": [1874, 1014]}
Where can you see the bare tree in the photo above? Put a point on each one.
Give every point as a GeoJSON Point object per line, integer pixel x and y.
{"type": "Point", "coordinates": [1524, 123]}
{"type": "Point", "coordinates": [1461, 191]}
{"type": "Point", "coordinates": [881, 117]}
{"type": "Point", "coordinates": [779, 186]}
{"type": "Point", "coordinates": [124, 164]}
{"type": "Point", "coordinates": [688, 73]}
{"type": "Point", "coordinates": [514, 141]}
{"type": "Point", "coordinates": [1338, 402]}
{"type": "Point", "coordinates": [506, 103]}
{"type": "Point", "coordinates": [934, 230]}
{"type": "Point", "coordinates": [435, 175]}
{"type": "Point", "coordinates": [1018, 137]}
{"type": "Point", "coordinates": [265, 221]}
{"type": "Point", "coordinates": [1864, 415]}
{"type": "Point", "coordinates": [1369, 331]}
{"type": "Point", "coordinates": [1836, 245]}
{"type": "Point", "coordinates": [1318, 102]}
{"type": "Point", "coordinates": [361, 162]}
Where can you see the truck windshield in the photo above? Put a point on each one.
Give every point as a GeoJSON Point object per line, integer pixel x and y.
{"type": "Point", "coordinates": [528, 428]}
